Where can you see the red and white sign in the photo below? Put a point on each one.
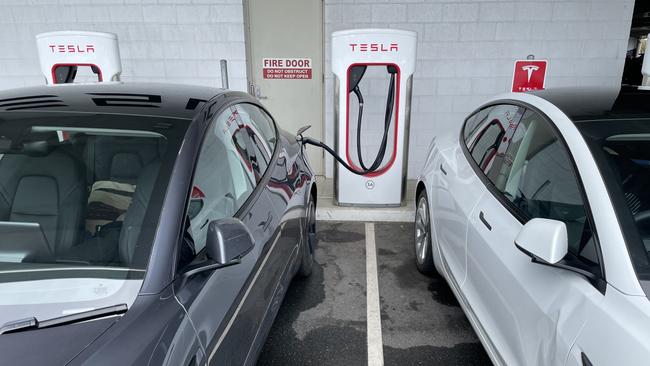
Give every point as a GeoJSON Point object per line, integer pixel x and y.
{"type": "Point", "coordinates": [529, 75]}
{"type": "Point", "coordinates": [286, 68]}
{"type": "Point", "coordinates": [71, 48]}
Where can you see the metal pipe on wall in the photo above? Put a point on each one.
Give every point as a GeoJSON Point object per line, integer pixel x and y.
{"type": "Point", "coordinates": [224, 73]}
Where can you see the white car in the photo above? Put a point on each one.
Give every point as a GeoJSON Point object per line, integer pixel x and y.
{"type": "Point", "coordinates": [538, 217]}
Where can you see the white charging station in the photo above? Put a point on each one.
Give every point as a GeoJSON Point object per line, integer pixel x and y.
{"type": "Point", "coordinates": [61, 53]}
{"type": "Point", "coordinates": [373, 52]}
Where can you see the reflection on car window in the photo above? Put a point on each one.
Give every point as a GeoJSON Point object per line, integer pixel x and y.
{"type": "Point", "coordinates": [474, 122]}
{"type": "Point", "coordinates": [261, 133]}
{"type": "Point", "coordinates": [537, 176]}
{"type": "Point", "coordinates": [224, 175]}
{"type": "Point", "coordinates": [261, 122]}
{"type": "Point", "coordinates": [485, 132]}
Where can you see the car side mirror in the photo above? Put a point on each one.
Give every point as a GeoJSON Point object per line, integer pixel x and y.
{"type": "Point", "coordinates": [228, 240]}
{"type": "Point", "coordinates": [544, 240]}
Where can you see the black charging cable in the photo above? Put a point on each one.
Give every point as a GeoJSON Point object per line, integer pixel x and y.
{"type": "Point", "coordinates": [379, 158]}
{"type": "Point", "coordinates": [311, 141]}
{"type": "Point", "coordinates": [390, 102]}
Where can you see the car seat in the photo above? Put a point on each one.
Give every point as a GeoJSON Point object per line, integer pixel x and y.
{"type": "Point", "coordinates": [120, 159]}
{"type": "Point", "coordinates": [115, 163]}
{"type": "Point", "coordinates": [48, 189]}
{"type": "Point", "coordinates": [134, 219]}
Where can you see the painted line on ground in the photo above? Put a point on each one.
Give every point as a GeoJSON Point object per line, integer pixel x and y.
{"type": "Point", "coordinates": [373, 308]}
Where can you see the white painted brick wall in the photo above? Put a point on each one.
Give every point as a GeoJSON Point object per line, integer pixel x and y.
{"type": "Point", "coordinates": [466, 50]}
{"type": "Point", "coordinates": [179, 41]}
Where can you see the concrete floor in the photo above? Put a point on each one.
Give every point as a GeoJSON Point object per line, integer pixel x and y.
{"type": "Point", "coordinates": [322, 320]}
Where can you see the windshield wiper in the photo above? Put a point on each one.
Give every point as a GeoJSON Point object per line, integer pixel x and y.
{"type": "Point", "coordinates": [33, 323]}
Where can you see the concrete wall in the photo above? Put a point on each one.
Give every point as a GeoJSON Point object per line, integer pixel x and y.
{"type": "Point", "coordinates": [466, 50]}
{"type": "Point", "coordinates": [177, 41]}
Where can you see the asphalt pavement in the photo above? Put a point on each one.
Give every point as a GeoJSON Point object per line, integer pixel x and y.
{"type": "Point", "coordinates": [323, 318]}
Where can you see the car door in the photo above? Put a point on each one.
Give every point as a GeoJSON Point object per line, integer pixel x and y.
{"type": "Point", "coordinates": [277, 159]}
{"type": "Point", "coordinates": [531, 313]}
{"type": "Point", "coordinates": [457, 188]}
{"type": "Point", "coordinates": [615, 332]}
{"type": "Point", "coordinates": [225, 185]}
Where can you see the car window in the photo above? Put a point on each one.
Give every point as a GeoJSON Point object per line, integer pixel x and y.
{"type": "Point", "coordinates": [538, 177]}
{"type": "Point", "coordinates": [473, 122]}
{"type": "Point", "coordinates": [224, 176]}
{"type": "Point", "coordinates": [485, 132]}
{"type": "Point", "coordinates": [261, 133]}
{"type": "Point", "coordinates": [81, 196]}
{"type": "Point", "coordinates": [261, 123]}
{"type": "Point", "coordinates": [621, 149]}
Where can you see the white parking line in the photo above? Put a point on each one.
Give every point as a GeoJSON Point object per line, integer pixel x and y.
{"type": "Point", "coordinates": [373, 310]}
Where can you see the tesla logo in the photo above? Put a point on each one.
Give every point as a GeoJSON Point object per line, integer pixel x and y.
{"type": "Point", "coordinates": [374, 47]}
{"type": "Point", "coordinates": [530, 69]}
{"type": "Point", "coordinates": [529, 75]}
{"type": "Point", "coordinates": [72, 48]}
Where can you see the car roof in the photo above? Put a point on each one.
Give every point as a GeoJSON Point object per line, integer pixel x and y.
{"type": "Point", "coordinates": [145, 99]}
{"type": "Point", "coordinates": [591, 104]}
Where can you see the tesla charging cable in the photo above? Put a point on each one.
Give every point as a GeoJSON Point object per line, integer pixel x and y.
{"type": "Point", "coordinates": [356, 74]}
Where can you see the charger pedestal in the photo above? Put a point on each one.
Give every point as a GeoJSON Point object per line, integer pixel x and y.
{"type": "Point", "coordinates": [382, 52]}
{"type": "Point", "coordinates": [61, 53]}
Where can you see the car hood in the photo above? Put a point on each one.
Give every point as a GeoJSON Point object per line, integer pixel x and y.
{"type": "Point", "coordinates": [51, 346]}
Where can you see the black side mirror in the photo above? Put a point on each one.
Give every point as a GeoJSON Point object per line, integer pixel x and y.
{"type": "Point", "coordinates": [228, 240]}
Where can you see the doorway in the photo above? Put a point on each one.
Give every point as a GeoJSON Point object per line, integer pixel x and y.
{"type": "Point", "coordinates": [284, 53]}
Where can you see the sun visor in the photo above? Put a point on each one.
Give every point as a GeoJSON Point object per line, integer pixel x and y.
{"type": "Point", "coordinates": [62, 53]}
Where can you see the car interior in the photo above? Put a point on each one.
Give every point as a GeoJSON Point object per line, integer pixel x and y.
{"type": "Point", "coordinates": [629, 155]}
{"type": "Point", "coordinates": [86, 191]}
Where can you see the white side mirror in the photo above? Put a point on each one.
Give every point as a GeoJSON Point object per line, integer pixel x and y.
{"type": "Point", "coordinates": [544, 240]}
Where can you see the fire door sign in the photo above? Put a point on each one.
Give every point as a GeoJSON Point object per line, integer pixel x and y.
{"type": "Point", "coordinates": [287, 68]}
{"type": "Point", "coordinates": [529, 75]}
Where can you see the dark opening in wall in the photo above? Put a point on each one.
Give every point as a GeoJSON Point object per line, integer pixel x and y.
{"type": "Point", "coordinates": [637, 44]}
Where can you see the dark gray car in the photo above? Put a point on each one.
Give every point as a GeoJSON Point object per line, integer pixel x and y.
{"type": "Point", "coordinates": [146, 224]}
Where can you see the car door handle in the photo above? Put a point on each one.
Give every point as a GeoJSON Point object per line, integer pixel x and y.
{"type": "Point", "coordinates": [481, 217]}
{"type": "Point", "coordinates": [443, 169]}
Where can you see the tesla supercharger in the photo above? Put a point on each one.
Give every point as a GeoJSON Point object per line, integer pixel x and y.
{"type": "Point", "coordinates": [373, 73]}
{"type": "Point", "coordinates": [62, 53]}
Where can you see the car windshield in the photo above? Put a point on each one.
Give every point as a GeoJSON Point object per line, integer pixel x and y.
{"type": "Point", "coordinates": [80, 199]}
{"type": "Point", "coordinates": [621, 148]}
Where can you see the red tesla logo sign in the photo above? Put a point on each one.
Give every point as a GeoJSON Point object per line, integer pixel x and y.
{"type": "Point", "coordinates": [529, 75]}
